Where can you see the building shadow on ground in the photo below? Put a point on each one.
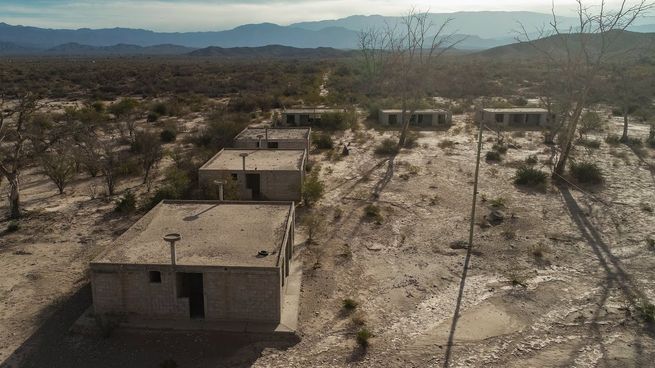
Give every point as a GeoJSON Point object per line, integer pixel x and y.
{"type": "Point", "coordinates": [52, 345]}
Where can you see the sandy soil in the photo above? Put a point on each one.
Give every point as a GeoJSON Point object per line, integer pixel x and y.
{"type": "Point", "coordinates": [576, 305]}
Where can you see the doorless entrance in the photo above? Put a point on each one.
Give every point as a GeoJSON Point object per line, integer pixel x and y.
{"type": "Point", "coordinates": [253, 183]}
{"type": "Point", "coordinates": [190, 285]}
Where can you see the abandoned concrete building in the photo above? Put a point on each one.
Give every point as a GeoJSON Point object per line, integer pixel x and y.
{"type": "Point", "coordinates": [523, 117]}
{"type": "Point", "coordinates": [273, 138]}
{"type": "Point", "coordinates": [208, 260]}
{"type": "Point", "coordinates": [259, 174]}
{"type": "Point", "coordinates": [306, 116]}
{"type": "Point", "coordinates": [420, 118]}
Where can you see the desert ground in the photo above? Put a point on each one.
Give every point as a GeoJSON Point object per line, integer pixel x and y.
{"type": "Point", "coordinates": [560, 282]}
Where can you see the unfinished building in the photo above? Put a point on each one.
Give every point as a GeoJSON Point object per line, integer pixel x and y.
{"type": "Point", "coordinates": [199, 260]}
{"type": "Point", "coordinates": [523, 117]}
{"type": "Point", "coordinates": [273, 138]}
{"type": "Point", "coordinates": [420, 118]}
{"type": "Point", "coordinates": [306, 116]}
{"type": "Point", "coordinates": [259, 174]}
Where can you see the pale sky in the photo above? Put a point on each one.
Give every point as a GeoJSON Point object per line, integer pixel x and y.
{"type": "Point", "coordinates": [210, 15]}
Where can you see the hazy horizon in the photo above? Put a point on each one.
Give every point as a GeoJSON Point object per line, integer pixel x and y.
{"type": "Point", "coordinates": [205, 15]}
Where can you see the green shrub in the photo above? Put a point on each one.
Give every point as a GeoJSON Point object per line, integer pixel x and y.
{"type": "Point", "coordinates": [590, 122]}
{"type": "Point", "coordinates": [168, 135]}
{"type": "Point", "coordinates": [646, 311]}
{"type": "Point", "coordinates": [634, 142]}
{"type": "Point", "coordinates": [312, 190]}
{"type": "Point", "coordinates": [322, 140]}
{"type": "Point", "coordinates": [373, 212]}
{"type": "Point", "coordinates": [651, 142]}
{"type": "Point", "coordinates": [500, 148]}
{"type": "Point", "coordinates": [493, 156]}
{"type": "Point", "coordinates": [613, 139]}
{"type": "Point", "coordinates": [13, 226]}
{"type": "Point", "coordinates": [176, 186]}
{"type": "Point", "coordinates": [387, 147]}
{"type": "Point", "coordinates": [532, 160]}
{"type": "Point", "coordinates": [589, 143]}
{"type": "Point", "coordinates": [411, 140]}
{"type": "Point", "coordinates": [363, 335]}
{"type": "Point", "coordinates": [586, 172]}
{"type": "Point", "coordinates": [126, 204]}
{"type": "Point", "coordinates": [335, 121]}
{"type": "Point", "coordinates": [152, 117]}
{"type": "Point", "coordinates": [530, 177]}
{"type": "Point", "coordinates": [446, 143]}
{"type": "Point", "coordinates": [349, 304]}
{"type": "Point", "coordinates": [498, 202]}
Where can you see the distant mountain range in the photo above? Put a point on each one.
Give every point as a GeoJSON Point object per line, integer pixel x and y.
{"type": "Point", "coordinates": [477, 30]}
{"type": "Point", "coordinates": [623, 44]}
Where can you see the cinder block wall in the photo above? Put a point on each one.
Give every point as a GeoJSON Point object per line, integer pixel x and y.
{"type": "Point", "coordinates": [243, 295]}
{"type": "Point", "coordinates": [274, 185]}
{"type": "Point", "coordinates": [299, 144]}
{"type": "Point", "coordinates": [232, 294]}
{"type": "Point", "coordinates": [131, 292]}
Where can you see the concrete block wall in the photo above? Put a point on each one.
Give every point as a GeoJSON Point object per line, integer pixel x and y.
{"type": "Point", "coordinates": [107, 292]}
{"type": "Point", "coordinates": [282, 144]}
{"type": "Point", "coordinates": [242, 295]}
{"type": "Point", "coordinates": [131, 292]}
{"type": "Point", "coordinates": [274, 185]}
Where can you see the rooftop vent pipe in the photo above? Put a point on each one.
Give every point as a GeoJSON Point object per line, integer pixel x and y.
{"type": "Point", "coordinates": [172, 238]}
{"type": "Point", "coordinates": [243, 156]}
{"type": "Point", "coordinates": [220, 184]}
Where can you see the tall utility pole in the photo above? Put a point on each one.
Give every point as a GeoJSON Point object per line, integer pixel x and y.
{"type": "Point", "coordinates": [475, 185]}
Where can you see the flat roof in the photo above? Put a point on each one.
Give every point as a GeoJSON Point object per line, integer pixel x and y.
{"type": "Point", "coordinates": [213, 233]}
{"type": "Point", "coordinates": [421, 111]}
{"type": "Point", "coordinates": [310, 110]}
{"type": "Point", "coordinates": [256, 159]}
{"type": "Point", "coordinates": [518, 110]}
{"type": "Point", "coordinates": [273, 133]}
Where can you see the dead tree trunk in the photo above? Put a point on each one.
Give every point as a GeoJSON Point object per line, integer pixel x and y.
{"type": "Point", "coordinates": [14, 196]}
{"type": "Point", "coordinates": [624, 137]}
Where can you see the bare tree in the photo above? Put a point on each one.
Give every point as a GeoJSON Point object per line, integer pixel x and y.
{"type": "Point", "coordinates": [148, 146]}
{"type": "Point", "coordinates": [14, 137]}
{"type": "Point", "coordinates": [125, 112]}
{"type": "Point", "coordinates": [580, 54]}
{"type": "Point", "coordinates": [58, 165]}
{"type": "Point", "coordinates": [399, 58]}
{"type": "Point", "coordinates": [628, 92]}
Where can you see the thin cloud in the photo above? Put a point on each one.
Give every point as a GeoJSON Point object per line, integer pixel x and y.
{"type": "Point", "coordinates": [204, 15]}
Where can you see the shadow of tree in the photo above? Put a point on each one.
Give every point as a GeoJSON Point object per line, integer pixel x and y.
{"type": "Point", "coordinates": [616, 276]}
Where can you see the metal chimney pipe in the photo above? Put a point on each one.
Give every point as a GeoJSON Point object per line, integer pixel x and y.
{"type": "Point", "coordinates": [172, 238]}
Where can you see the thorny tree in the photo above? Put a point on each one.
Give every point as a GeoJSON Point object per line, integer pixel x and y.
{"type": "Point", "coordinates": [399, 57]}
{"type": "Point", "coordinates": [580, 54]}
{"type": "Point", "coordinates": [14, 137]}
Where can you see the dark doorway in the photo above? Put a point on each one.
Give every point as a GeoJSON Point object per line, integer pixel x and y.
{"type": "Point", "coordinates": [273, 145]}
{"type": "Point", "coordinates": [393, 119]}
{"type": "Point", "coordinates": [291, 119]}
{"type": "Point", "coordinates": [252, 183]}
{"type": "Point", "coordinates": [190, 285]}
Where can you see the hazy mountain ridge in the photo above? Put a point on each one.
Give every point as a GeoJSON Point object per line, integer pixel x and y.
{"type": "Point", "coordinates": [478, 30]}
{"type": "Point", "coordinates": [624, 43]}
